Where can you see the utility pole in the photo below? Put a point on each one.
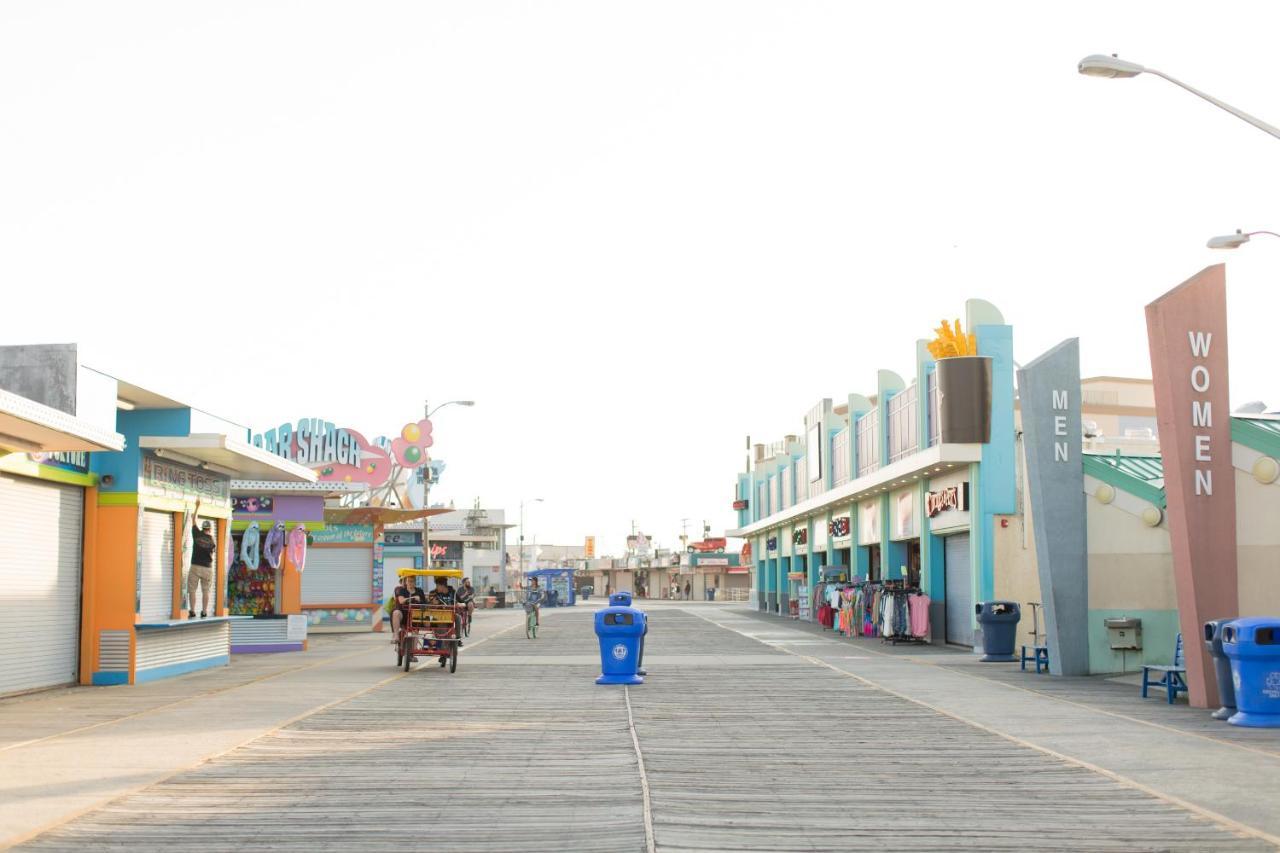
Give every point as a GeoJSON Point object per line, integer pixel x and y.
{"type": "Point", "coordinates": [426, 501]}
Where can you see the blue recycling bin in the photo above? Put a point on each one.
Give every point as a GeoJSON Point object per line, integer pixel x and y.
{"type": "Point", "coordinates": [621, 631]}
{"type": "Point", "coordinates": [1221, 668]}
{"type": "Point", "coordinates": [1253, 646]}
{"type": "Point", "coordinates": [999, 621]}
{"type": "Point", "coordinates": [620, 599]}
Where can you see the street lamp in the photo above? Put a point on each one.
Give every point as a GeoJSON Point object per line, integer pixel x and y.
{"type": "Point", "coordinates": [1101, 65]}
{"type": "Point", "coordinates": [1236, 240]}
{"type": "Point", "coordinates": [426, 483]}
{"type": "Point", "coordinates": [522, 503]}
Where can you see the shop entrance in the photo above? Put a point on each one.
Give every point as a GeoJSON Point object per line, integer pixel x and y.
{"type": "Point", "coordinates": [913, 563]}
{"type": "Point", "coordinates": [842, 557]}
{"type": "Point", "coordinates": [873, 562]}
{"type": "Point", "coordinates": [959, 590]}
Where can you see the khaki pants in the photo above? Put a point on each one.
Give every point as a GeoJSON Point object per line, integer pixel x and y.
{"type": "Point", "coordinates": [201, 576]}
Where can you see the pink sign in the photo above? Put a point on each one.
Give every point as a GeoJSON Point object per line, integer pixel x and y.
{"type": "Point", "coordinates": [1187, 330]}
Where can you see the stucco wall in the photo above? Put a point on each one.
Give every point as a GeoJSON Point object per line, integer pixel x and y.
{"type": "Point", "coordinates": [1258, 545]}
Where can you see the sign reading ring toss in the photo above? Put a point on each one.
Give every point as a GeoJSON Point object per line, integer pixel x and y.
{"type": "Point", "coordinates": [620, 652]}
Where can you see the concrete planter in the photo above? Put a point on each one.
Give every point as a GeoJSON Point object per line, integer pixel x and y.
{"type": "Point", "coordinates": [964, 399]}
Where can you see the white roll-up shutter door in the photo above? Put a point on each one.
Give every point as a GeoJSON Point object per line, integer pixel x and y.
{"type": "Point", "coordinates": [390, 578]}
{"type": "Point", "coordinates": [40, 555]}
{"type": "Point", "coordinates": [157, 566]}
{"type": "Point", "coordinates": [959, 590]}
{"type": "Point", "coordinates": [338, 576]}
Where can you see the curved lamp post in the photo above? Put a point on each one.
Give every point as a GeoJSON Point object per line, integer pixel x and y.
{"type": "Point", "coordinates": [1236, 240]}
{"type": "Point", "coordinates": [522, 503]}
{"type": "Point", "coordinates": [1101, 65]}
{"type": "Point", "coordinates": [426, 484]}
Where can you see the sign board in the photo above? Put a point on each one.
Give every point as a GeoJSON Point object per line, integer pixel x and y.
{"type": "Point", "coordinates": [163, 478]}
{"type": "Point", "coordinates": [1187, 333]}
{"type": "Point", "coordinates": [838, 527]}
{"type": "Point", "coordinates": [295, 629]}
{"type": "Point", "coordinates": [713, 561]}
{"type": "Point", "coordinates": [589, 548]}
{"type": "Point", "coordinates": [446, 552]}
{"type": "Point", "coordinates": [1049, 388]}
{"type": "Point", "coordinates": [253, 505]}
{"type": "Point", "coordinates": [951, 498]}
{"type": "Point", "coordinates": [343, 534]}
{"type": "Point", "coordinates": [402, 537]}
{"type": "Point", "coordinates": [800, 537]}
{"type": "Point", "coordinates": [741, 503]}
{"type": "Point", "coordinates": [66, 460]}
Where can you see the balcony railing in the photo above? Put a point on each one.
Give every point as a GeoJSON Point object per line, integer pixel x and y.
{"type": "Point", "coordinates": [904, 422]}
{"type": "Point", "coordinates": [868, 431]}
{"type": "Point", "coordinates": [840, 458]}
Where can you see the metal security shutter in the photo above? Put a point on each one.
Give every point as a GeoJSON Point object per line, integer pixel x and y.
{"type": "Point", "coordinates": [390, 580]}
{"type": "Point", "coordinates": [338, 576]}
{"type": "Point", "coordinates": [170, 647]}
{"type": "Point", "coordinates": [40, 552]}
{"type": "Point", "coordinates": [959, 586]}
{"type": "Point", "coordinates": [157, 566]}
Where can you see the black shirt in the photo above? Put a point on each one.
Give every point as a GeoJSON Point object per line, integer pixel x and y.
{"type": "Point", "coordinates": [442, 597]}
{"type": "Point", "coordinates": [415, 596]}
{"type": "Point", "coordinates": [202, 547]}
{"type": "Point", "coordinates": [465, 594]}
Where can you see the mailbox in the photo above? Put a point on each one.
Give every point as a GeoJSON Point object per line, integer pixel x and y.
{"type": "Point", "coordinates": [1124, 633]}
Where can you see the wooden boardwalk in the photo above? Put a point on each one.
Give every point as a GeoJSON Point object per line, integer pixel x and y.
{"type": "Point", "coordinates": [744, 748]}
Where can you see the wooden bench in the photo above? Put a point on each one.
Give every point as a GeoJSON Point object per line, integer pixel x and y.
{"type": "Point", "coordinates": [1172, 678]}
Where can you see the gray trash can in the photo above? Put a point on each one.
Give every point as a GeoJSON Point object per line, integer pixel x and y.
{"type": "Point", "coordinates": [999, 621]}
{"type": "Point", "coordinates": [1221, 667]}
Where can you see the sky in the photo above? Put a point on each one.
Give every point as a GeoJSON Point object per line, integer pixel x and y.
{"type": "Point", "coordinates": [633, 233]}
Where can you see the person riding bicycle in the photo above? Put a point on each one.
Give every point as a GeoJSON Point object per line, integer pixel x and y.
{"type": "Point", "coordinates": [407, 593]}
{"type": "Point", "coordinates": [533, 599]}
{"type": "Point", "coordinates": [467, 597]}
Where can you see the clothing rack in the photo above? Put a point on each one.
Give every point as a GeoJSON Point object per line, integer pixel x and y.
{"type": "Point", "coordinates": [903, 615]}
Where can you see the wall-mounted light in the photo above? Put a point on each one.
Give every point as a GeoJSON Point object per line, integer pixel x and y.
{"type": "Point", "coordinates": [125, 405]}
{"type": "Point", "coordinates": [1266, 470]}
{"type": "Point", "coordinates": [1152, 516]}
{"type": "Point", "coordinates": [1105, 493]}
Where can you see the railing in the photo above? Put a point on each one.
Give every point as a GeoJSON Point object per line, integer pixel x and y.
{"type": "Point", "coordinates": [868, 432]}
{"type": "Point", "coordinates": [840, 458]}
{"type": "Point", "coordinates": [935, 422]}
{"type": "Point", "coordinates": [904, 422]}
{"type": "Point", "coordinates": [735, 595]}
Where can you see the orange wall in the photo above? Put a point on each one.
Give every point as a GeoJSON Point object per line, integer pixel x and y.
{"type": "Point", "coordinates": [110, 587]}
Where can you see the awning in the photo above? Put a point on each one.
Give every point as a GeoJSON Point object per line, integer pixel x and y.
{"type": "Point", "coordinates": [376, 514]}
{"type": "Point", "coordinates": [226, 455]}
{"type": "Point", "coordinates": [267, 487]}
{"type": "Point", "coordinates": [739, 570]}
{"type": "Point", "coordinates": [31, 427]}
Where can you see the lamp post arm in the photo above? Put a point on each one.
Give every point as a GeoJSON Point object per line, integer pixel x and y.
{"type": "Point", "coordinates": [1256, 233]}
{"type": "Point", "coordinates": [1240, 114]}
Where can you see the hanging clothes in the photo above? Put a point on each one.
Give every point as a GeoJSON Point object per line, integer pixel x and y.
{"type": "Point", "coordinates": [298, 547]}
{"type": "Point", "coordinates": [188, 545]}
{"type": "Point", "coordinates": [251, 546]}
{"type": "Point", "coordinates": [274, 546]}
{"type": "Point", "coordinates": [919, 605]}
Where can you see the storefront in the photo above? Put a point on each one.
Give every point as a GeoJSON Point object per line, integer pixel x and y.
{"type": "Point", "coordinates": [46, 490]}
{"type": "Point", "coordinates": [854, 486]}
{"type": "Point", "coordinates": [272, 530]}
{"type": "Point", "coordinates": [344, 587]}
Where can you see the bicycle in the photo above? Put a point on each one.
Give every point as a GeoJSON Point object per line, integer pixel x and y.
{"type": "Point", "coordinates": [530, 622]}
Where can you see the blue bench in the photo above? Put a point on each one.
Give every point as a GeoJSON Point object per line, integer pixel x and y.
{"type": "Point", "coordinates": [1040, 654]}
{"type": "Point", "coordinates": [1172, 678]}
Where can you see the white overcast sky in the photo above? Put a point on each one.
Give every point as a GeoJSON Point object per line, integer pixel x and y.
{"type": "Point", "coordinates": [633, 232]}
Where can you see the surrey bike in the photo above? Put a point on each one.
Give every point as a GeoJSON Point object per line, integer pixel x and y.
{"type": "Point", "coordinates": [430, 630]}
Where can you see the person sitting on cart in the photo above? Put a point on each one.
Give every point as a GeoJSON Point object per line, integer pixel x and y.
{"type": "Point", "coordinates": [443, 593]}
{"type": "Point", "coordinates": [407, 593]}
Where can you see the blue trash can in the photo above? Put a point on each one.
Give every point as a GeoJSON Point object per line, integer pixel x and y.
{"type": "Point", "coordinates": [1253, 645]}
{"type": "Point", "coordinates": [999, 621]}
{"type": "Point", "coordinates": [621, 632]}
{"type": "Point", "coordinates": [1221, 668]}
{"type": "Point", "coordinates": [620, 599]}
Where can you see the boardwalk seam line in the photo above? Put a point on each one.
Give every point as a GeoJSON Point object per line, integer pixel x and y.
{"type": "Point", "coordinates": [1222, 820]}
{"type": "Point", "coordinates": [649, 843]}
{"type": "Point", "coordinates": [9, 843]}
